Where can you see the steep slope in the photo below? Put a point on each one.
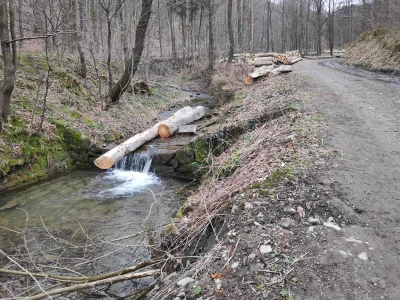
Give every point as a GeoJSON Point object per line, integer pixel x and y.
{"type": "Point", "coordinates": [377, 50]}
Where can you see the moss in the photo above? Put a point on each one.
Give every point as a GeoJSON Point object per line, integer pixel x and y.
{"type": "Point", "coordinates": [169, 229]}
{"type": "Point", "coordinates": [230, 167]}
{"type": "Point", "coordinates": [201, 149]}
{"type": "Point", "coordinates": [179, 214]}
{"type": "Point", "coordinates": [112, 136]}
{"type": "Point", "coordinates": [275, 178]}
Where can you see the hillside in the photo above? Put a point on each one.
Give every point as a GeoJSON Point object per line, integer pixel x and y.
{"type": "Point", "coordinates": [75, 125]}
{"type": "Point", "coordinates": [378, 50]}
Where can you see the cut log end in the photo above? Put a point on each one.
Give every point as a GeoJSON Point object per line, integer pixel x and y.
{"type": "Point", "coordinates": [248, 80]}
{"type": "Point", "coordinates": [104, 162]}
{"type": "Point", "coordinates": [163, 131]}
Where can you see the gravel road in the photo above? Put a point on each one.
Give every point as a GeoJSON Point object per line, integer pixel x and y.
{"type": "Point", "coordinates": [362, 261]}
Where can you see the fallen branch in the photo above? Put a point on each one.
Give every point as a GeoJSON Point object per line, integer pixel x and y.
{"type": "Point", "coordinates": [77, 287]}
{"type": "Point", "coordinates": [78, 279]}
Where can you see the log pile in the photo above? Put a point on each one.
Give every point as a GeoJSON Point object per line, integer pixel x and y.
{"type": "Point", "coordinates": [267, 64]}
{"type": "Point", "coordinates": [164, 128]}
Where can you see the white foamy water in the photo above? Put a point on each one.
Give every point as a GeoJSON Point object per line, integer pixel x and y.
{"type": "Point", "coordinates": [131, 175]}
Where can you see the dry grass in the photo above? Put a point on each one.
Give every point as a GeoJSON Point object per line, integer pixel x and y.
{"type": "Point", "coordinates": [287, 144]}
{"type": "Point", "coordinates": [377, 50]}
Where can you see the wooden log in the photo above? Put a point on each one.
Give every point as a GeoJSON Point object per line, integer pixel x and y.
{"type": "Point", "coordinates": [171, 125]}
{"type": "Point", "coordinates": [295, 60]}
{"type": "Point", "coordinates": [279, 70]}
{"type": "Point", "coordinates": [262, 61]}
{"type": "Point", "coordinates": [259, 72]}
{"type": "Point", "coordinates": [187, 129]}
{"type": "Point", "coordinates": [111, 157]}
{"type": "Point", "coordinates": [270, 54]}
{"type": "Point", "coordinates": [295, 53]}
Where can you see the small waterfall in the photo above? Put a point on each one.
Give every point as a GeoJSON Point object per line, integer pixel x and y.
{"type": "Point", "coordinates": [130, 175]}
{"type": "Point", "coordinates": [138, 162]}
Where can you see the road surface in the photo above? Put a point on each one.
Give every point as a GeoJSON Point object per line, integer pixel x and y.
{"type": "Point", "coordinates": [362, 109]}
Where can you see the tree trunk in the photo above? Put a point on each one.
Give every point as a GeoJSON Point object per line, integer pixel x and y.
{"type": "Point", "coordinates": [210, 36]}
{"type": "Point", "coordinates": [239, 25]}
{"type": "Point", "coordinates": [21, 28]}
{"type": "Point", "coordinates": [80, 23]}
{"type": "Point", "coordinates": [171, 125]}
{"type": "Point", "coordinates": [9, 56]}
{"type": "Point", "coordinates": [160, 29]}
{"type": "Point", "coordinates": [113, 156]}
{"type": "Point", "coordinates": [251, 27]}
{"type": "Point", "coordinates": [230, 31]}
{"type": "Point", "coordinates": [173, 36]}
{"type": "Point", "coordinates": [109, 45]}
{"type": "Point", "coordinates": [130, 70]}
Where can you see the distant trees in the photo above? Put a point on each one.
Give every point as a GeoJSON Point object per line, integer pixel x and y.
{"type": "Point", "coordinates": [182, 33]}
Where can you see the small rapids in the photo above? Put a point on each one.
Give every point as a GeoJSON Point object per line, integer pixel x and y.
{"type": "Point", "coordinates": [131, 175]}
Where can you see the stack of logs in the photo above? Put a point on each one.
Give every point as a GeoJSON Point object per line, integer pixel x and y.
{"type": "Point", "coordinates": [267, 63]}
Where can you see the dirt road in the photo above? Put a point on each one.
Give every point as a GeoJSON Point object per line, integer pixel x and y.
{"type": "Point", "coordinates": [362, 187]}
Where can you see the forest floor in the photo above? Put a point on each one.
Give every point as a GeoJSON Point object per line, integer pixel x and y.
{"type": "Point", "coordinates": [321, 229]}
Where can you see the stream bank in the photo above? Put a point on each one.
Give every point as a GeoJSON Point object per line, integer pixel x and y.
{"type": "Point", "coordinates": [75, 127]}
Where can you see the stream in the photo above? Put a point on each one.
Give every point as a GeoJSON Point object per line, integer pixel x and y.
{"type": "Point", "coordinates": [84, 208]}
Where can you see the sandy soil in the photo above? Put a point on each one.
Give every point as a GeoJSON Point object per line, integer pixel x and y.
{"type": "Point", "coordinates": [363, 116]}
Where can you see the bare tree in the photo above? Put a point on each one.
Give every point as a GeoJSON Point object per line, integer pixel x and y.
{"type": "Point", "coordinates": [119, 88]}
{"type": "Point", "coordinates": [230, 32]}
{"type": "Point", "coordinates": [9, 51]}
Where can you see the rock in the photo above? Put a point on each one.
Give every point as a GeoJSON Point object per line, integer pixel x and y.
{"type": "Point", "coordinates": [251, 257]}
{"type": "Point", "coordinates": [257, 224]}
{"type": "Point", "coordinates": [234, 208]}
{"type": "Point", "coordinates": [285, 222]}
{"type": "Point", "coordinates": [260, 216]}
{"type": "Point", "coordinates": [185, 281]}
{"type": "Point", "coordinates": [265, 249]}
{"type": "Point", "coordinates": [332, 225]}
{"type": "Point", "coordinates": [181, 294]}
{"type": "Point", "coordinates": [235, 265]}
{"type": "Point", "coordinates": [310, 229]}
{"type": "Point", "coordinates": [248, 206]}
{"type": "Point", "coordinates": [162, 156]}
{"type": "Point", "coordinates": [300, 211]}
{"type": "Point", "coordinates": [314, 221]}
{"type": "Point", "coordinates": [218, 283]}
{"type": "Point", "coordinates": [10, 204]}
{"type": "Point", "coordinates": [83, 158]}
{"type": "Point", "coordinates": [184, 157]}
{"type": "Point", "coordinates": [331, 219]}
{"type": "Point", "coordinates": [232, 232]}
{"type": "Point", "coordinates": [353, 240]}
{"type": "Point", "coordinates": [379, 282]}
{"type": "Point", "coordinates": [170, 276]}
{"type": "Point", "coordinates": [363, 256]}
{"type": "Point", "coordinates": [290, 210]}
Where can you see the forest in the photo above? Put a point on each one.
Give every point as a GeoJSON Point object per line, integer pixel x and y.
{"type": "Point", "coordinates": [183, 34]}
{"type": "Point", "coordinates": [209, 149]}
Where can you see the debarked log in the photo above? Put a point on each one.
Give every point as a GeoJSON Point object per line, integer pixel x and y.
{"type": "Point", "coordinates": [171, 125]}
{"type": "Point", "coordinates": [259, 72]}
{"type": "Point", "coordinates": [108, 159]}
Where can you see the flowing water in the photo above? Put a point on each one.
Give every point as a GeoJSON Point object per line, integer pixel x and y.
{"type": "Point", "coordinates": [86, 208]}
